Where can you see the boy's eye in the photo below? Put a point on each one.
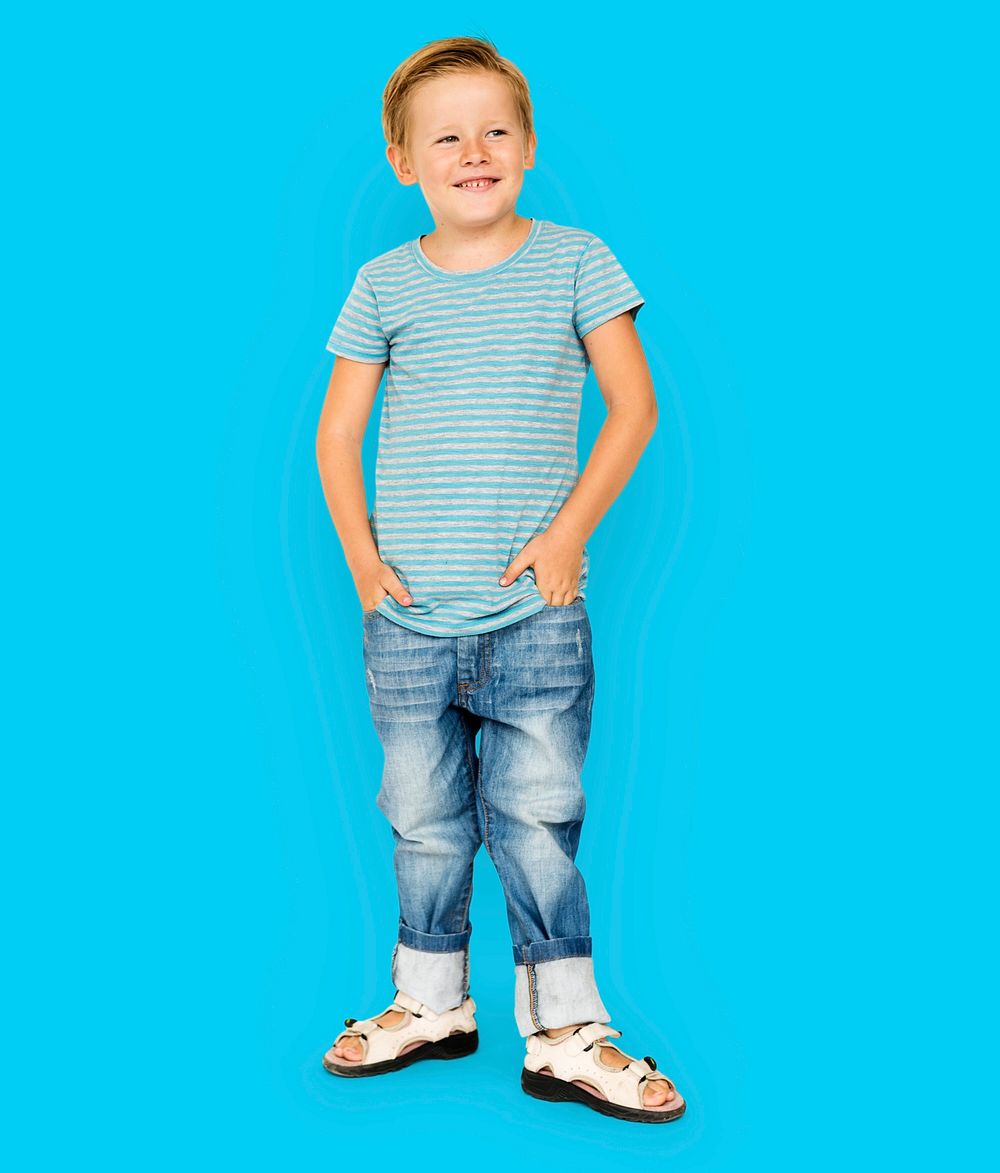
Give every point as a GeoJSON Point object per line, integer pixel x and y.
{"type": "Point", "coordinates": [448, 136]}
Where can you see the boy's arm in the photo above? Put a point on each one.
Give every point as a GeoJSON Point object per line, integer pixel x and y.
{"type": "Point", "coordinates": [626, 385]}
{"type": "Point", "coordinates": [349, 398]}
{"type": "Point", "coordinates": [623, 376]}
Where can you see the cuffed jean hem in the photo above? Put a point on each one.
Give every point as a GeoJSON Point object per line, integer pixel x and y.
{"type": "Point", "coordinates": [553, 950]}
{"type": "Point", "coordinates": [438, 979]}
{"type": "Point", "coordinates": [551, 994]}
{"type": "Point", "coordinates": [434, 942]}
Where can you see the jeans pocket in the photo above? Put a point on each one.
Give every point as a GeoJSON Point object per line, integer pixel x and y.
{"type": "Point", "coordinates": [560, 606]}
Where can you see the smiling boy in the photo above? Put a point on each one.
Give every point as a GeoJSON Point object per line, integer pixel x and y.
{"type": "Point", "coordinates": [471, 571]}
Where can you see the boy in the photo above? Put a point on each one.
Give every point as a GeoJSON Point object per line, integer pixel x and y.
{"type": "Point", "coordinates": [472, 568]}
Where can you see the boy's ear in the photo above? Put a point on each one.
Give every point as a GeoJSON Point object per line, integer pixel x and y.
{"type": "Point", "coordinates": [529, 154]}
{"type": "Point", "coordinates": [397, 161]}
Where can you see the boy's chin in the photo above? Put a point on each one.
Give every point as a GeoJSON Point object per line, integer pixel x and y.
{"type": "Point", "coordinates": [473, 211]}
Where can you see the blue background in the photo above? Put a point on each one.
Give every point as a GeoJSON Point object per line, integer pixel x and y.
{"type": "Point", "coordinates": [788, 840]}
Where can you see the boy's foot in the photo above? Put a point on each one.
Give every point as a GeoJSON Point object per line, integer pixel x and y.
{"type": "Point", "coordinates": [405, 1032]}
{"type": "Point", "coordinates": [655, 1094]}
{"type": "Point", "coordinates": [351, 1051]}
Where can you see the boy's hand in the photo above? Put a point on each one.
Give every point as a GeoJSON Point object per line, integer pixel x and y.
{"type": "Point", "coordinates": [378, 581]}
{"type": "Point", "coordinates": [557, 559]}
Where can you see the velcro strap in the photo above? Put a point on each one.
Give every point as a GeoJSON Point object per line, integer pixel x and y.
{"type": "Point", "coordinates": [596, 1030]}
{"type": "Point", "coordinates": [407, 1003]}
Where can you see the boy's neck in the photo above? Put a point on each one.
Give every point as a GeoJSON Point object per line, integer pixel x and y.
{"type": "Point", "coordinates": [462, 248]}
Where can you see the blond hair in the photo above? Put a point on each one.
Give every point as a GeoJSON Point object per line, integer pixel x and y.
{"type": "Point", "coordinates": [442, 58]}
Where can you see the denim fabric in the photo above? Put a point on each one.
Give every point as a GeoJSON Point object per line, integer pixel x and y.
{"type": "Point", "coordinates": [528, 689]}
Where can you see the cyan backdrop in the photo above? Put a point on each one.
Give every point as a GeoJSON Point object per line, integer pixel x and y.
{"type": "Point", "coordinates": [787, 836]}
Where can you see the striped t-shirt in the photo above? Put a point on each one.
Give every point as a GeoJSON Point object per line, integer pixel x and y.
{"type": "Point", "coordinates": [477, 444]}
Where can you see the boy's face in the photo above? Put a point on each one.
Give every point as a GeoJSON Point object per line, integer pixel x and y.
{"type": "Point", "coordinates": [461, 126]}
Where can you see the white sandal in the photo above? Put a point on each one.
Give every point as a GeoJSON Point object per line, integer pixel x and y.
{"type": "Point", "coordinates": [554, 1069]}
{"type": "Point", "coordinates": [420, 1034]}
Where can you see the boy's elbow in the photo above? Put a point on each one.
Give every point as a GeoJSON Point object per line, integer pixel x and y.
{"type": "Point", "coordinates": [646, 415]}
{"type": "Point", "coordinates": [335, 437]}
{"type": "Point", "coordinates": [652, 409]}
{"type": "Point", "coordinates": [652, 414]}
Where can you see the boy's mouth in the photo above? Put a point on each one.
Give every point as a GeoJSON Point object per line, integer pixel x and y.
{"type": "Point", "coordinates": [483, 183]}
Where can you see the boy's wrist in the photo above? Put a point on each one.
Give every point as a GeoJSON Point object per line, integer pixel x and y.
{"type": "Point", "coordinates": [363, 562]}
{"type": "Point", "coordinates": [567, 529]}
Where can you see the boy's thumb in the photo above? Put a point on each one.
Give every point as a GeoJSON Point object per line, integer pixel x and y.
{"type": "Point", "coordinates": [513, 570]}
{"type": "Point", "coordinates": [399, 592]}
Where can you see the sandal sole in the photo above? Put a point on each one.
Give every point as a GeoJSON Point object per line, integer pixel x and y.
{"type": "Point", "coordinates": [550, 1087]}
{"type": "Point", "coordinates": [453, 1047]}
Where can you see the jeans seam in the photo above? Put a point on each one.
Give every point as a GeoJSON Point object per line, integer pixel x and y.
{"type": "Point", "coordinates": [487, 665]}
{"type": "Point", "coordinates": [474, 774]}
{"type": "Point", "coordinates": [468, 901]}
{"type": "Point", "coordinates": [465, 921]}
{"type": "Point", "coordinates": [486, 829]}
{"type": "Point", "coordinates": [532, 991]}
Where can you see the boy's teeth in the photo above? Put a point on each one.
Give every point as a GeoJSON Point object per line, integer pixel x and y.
{"type": "Point", "coordinates": [479, 183]}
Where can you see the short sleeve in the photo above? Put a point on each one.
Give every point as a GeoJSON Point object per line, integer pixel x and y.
{"type": "Point", "coordinates": [603, 289]}
{"type": "Point", "coordinates": [358, 333]}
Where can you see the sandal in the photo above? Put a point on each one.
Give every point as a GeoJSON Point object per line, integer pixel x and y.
{"type": "Point", "coordinates": [420, 1034]}
{"type": "Point", "coordinates": [560, 1069]}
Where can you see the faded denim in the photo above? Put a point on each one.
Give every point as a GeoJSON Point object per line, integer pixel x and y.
{"type": "Point", "coordinates": [529, 688]}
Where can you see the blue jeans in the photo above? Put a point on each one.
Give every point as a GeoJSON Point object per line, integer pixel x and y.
{"type": "Point", "coordinates": [529, 689]}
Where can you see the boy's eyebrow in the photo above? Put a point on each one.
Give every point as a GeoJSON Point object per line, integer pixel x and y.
{"type": "Point", "coordinates": [452, 126]}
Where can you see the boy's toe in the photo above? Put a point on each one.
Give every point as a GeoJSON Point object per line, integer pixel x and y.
{"type": "Point", "coordinates": [658, 1094]}
{"type": "Point", "coordinates": [346, 1052]}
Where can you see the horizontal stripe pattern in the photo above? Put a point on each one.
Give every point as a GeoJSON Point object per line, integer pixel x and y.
{"type": "Point", "coordinates": [477, 445]}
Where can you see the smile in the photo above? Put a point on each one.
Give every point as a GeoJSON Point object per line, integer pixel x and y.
{"type": "Point", "coordinates": [478, 184]}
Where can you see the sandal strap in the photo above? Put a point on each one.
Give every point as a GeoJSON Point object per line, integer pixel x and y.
{"type": "Point", "coordinates": [644, 1068]}
{"type": "Point", "coordinates": [403, 1001]}
{"type": "Point", "coordinates": [574, 1042]}
{"type": "Point", "coordinates": [565, 1056]}
{"type": "Point", "coordinates": [363, 1028]}
{"type": "Point", "coordinates": [596, 1030]}
{"type": "Point", "coordinates": [419, 1023]}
